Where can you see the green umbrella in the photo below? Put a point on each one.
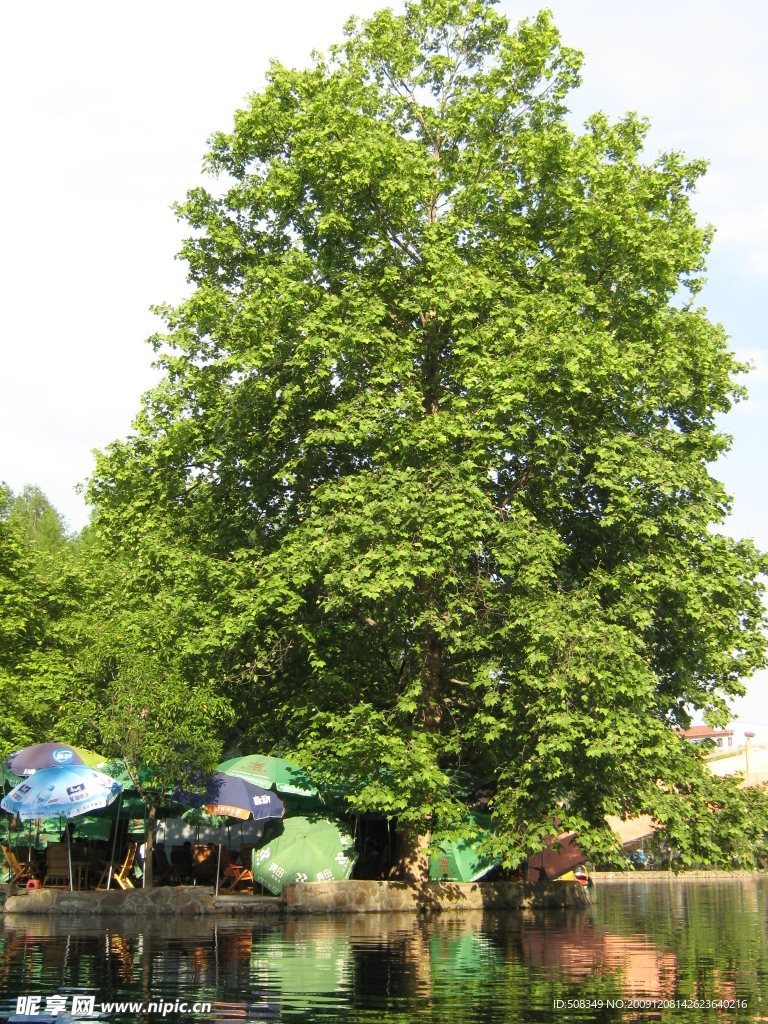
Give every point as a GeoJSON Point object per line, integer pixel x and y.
{"type": "Point", "coordinates": [270, 772]}
{"type": "Point", "coordinates": [305, 850]}
{"type": "Point", "coordinates": [93, 827]}
{"type": "Point", "coordinates": [132, 805]}
{"type": "Point", "coordinates": [460, 861]}
{"type": "Point", "coordinates": [90, 757]}
{"type": "Point", "coordinates": [118, 769]}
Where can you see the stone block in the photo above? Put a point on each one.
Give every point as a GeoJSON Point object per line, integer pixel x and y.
{"type": "Point", "coordinates": [111, 902]}
{"type": "Point", "coordinates": [160, 896]}
{"type": "Point", "coordinates": [71, 904]}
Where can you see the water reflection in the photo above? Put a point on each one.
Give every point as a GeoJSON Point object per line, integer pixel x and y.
{"type": "Point", "coordinates": [580, 952]}
{"type": "Point", "coordinates": [659, 941]}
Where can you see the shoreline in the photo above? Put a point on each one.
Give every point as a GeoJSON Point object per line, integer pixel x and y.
{"type": "Point", "coordinates": [344, 897]}
{"type": "Point", "coordinates": [299, 898]}
{"type": "Point", "coordinates": [698, 875]}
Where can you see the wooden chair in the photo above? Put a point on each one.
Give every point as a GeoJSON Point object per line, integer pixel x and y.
{"type": "Point", "coordinates": [238, 878]}
{"type": "Point", "coordinates": [165, 872]}
{"type": "Point", "coordinates": [97, 860]}
{"type": "Point", "coordinates": [57, 872]}
{"type": "Point", "coordinates": [30, 856]}
{"type": "Point", "coordinates": [20, 871]}
{"type": "Point", "coordinates": [120, 872]}
{"type": "Point", "coordinates": [181, 862]}
{"type": "Point", "coordinates": [204, 862]}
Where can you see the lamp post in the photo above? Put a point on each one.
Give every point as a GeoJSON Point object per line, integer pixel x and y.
{"type": "Point", "coordinates": [749, 737]}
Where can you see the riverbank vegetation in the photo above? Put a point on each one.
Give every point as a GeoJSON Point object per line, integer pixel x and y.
{"type": "Point", "coordinates": [423, 497]}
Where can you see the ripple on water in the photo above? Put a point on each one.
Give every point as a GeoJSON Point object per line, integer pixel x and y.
{"type": "Point", "coordinates": [702, 940]}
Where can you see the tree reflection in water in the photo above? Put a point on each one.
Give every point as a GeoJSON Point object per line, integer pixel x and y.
{"type": "Point", "coordinates": [663, 940]}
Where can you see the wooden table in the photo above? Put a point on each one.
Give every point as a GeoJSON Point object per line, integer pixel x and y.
{"type": "Point", "coordinates": [80, 869]}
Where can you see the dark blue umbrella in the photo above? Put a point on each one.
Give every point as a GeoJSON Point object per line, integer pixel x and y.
{"type": "Point", "coordinates": [233, 798]}
{"type": "Point", "coordinates": [43, 755]}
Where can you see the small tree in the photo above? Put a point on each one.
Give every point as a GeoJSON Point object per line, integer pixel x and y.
{"type": "Point", "coordinates": [166, 732]}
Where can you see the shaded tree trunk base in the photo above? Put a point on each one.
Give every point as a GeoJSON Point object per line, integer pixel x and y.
{"type": "Point", "coordinates": [148, 872]}
{"type": "Point", "coordinates": [410, 862]}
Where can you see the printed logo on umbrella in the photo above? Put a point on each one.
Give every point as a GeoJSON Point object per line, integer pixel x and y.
{"type": "Point", "coordinates": [63, 756]}
{"type": "Point", "coordinates": [76, 792]}
{"type": "Point", "coordinates": [227, 810]}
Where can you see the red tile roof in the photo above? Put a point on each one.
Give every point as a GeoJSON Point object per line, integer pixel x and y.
{"type": "Point", "coordinates": [702, 732]}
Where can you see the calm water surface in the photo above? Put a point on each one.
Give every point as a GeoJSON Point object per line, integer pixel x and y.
{"type": "Point", "coordinates": [666, 941]}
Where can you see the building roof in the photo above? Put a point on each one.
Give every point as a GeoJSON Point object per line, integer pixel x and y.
{"type": "Point", "coordinates": [704, 732]}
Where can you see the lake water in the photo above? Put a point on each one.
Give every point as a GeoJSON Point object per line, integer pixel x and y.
{"type": "Point", "coordinates": [700, 943]}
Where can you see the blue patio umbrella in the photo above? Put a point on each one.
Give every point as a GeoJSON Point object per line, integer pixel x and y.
{"type": "Point", "coordinates": [53, 792]}
{"type": "Point", "coordinates": [231, 797]}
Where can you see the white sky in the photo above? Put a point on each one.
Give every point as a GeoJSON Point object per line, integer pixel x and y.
{"type": "Point", "coordinates": [104, 114]}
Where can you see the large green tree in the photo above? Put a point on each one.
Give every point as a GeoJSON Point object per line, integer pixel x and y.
{"type": "Point", "coordinates": [431, 450]}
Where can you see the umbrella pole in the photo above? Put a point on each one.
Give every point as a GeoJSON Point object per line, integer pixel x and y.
{"type": "Point", "coordinates": [69, 859]}
{"type": "Point", "coordinates": [218, 864]}
{"type": "Point", "coordinates": [114, 841]}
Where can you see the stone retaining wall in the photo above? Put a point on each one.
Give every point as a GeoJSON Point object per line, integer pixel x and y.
{"type": "Point", "coordinates": [186, 900]}
{"type": "Point", "coordinates": [361, 897]}
{"type": "Point", "coordinates": [352, 897]}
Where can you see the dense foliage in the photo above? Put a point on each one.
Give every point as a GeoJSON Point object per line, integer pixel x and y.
{"type": "Point", "coordinates": [424, 492]}
{"type": "Point", "coordinates": [40, 586]}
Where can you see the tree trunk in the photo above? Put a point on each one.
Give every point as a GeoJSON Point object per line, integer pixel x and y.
{"type": "Point", "coordinates": [431, 711]}
{"type": "Point", "coordinates": [151, 815]}
{"type": "Point", "coordinates": [410, 863]}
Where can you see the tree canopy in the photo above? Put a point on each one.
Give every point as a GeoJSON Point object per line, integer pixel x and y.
{"type": "Point", "coordinates": [425, 488]}
{"type": "Point", "coordinates": [40, 586]}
